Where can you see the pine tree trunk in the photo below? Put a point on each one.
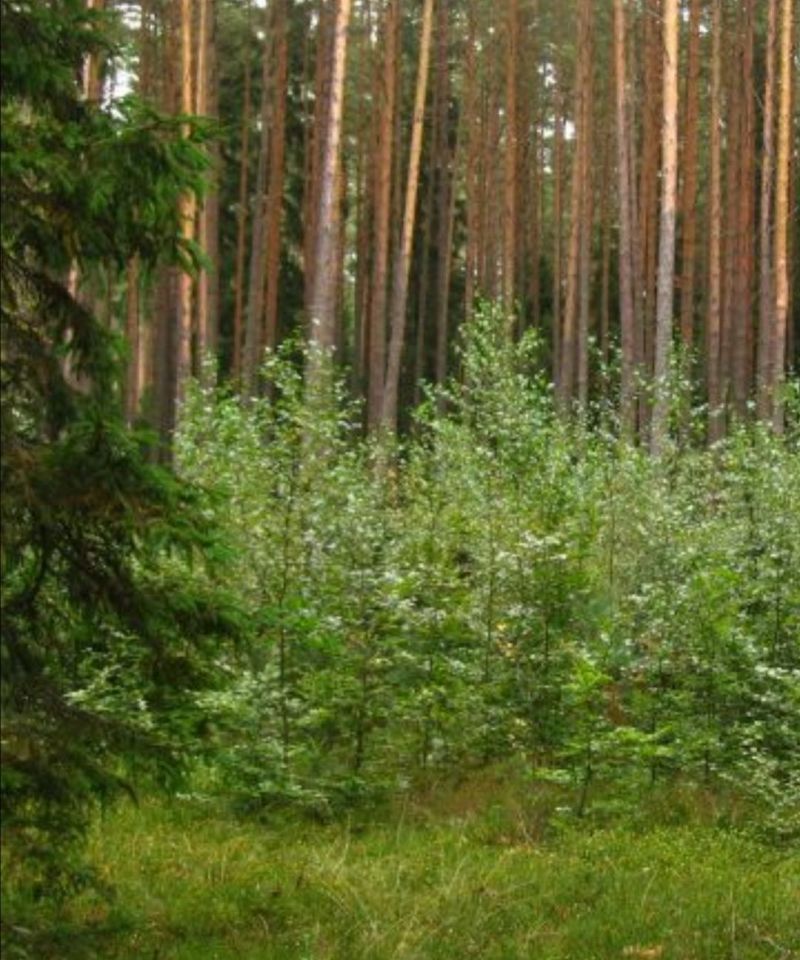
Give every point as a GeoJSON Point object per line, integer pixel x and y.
{"type": "Point", "coordinates": [241, 215]}
{"type": "Point", "coordinates": [572, 351]}
{"type": "Point", "coordinates": [277, 169]}
{"type": "Point", "coordinates": [445, 164]}
{"type": "Point", "coordinates": [558, 231]}
{"type": "Point", "coordinates": [714, 319]}
{"type": "Point", "coordinates": [323, 294]}
{"type": "Point", "coordinates": [626, 219]}
{"type": "Point", "coordinates": [782, 274]}
{"type": "Point", "coordinates": [383, 197]}
{"type": "Point", "coordinates": [742, 318]}
{"type": "Point", "coordinates": [666, 250]}
{"type": "Point", "coordinates": [511, 171]}
{"type": "Point", "coordinates": [187, 216]}
{"type": "Point", "coordinates": [649, 184]}
{"type": "Point", "coordinates": [132, 370]}
{"type": "Point", "coordinates": [397, 308]}
{"type": "Point", "coordinates": [766, 299]}
{"type": "Point", "coordinates": [257, 272]}
{"type": "Point", "coordinates": [689, 192]}
{"type": "Point", "coordinates": [587, 218]}
{"type": "Point", "coordinates": [471, 185]}
{"type": "Point", "coordinates": [208, 214]}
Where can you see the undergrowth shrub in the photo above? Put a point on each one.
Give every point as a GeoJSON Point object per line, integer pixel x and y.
{"type": "Point", "coordinates": [502, 583]}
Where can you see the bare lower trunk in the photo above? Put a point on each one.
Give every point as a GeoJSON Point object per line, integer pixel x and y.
{"type": "Point", "coordinates": [666, 251]}
{"type": "Point", "coordinates": [782, 275]}
{"type": "Point", "coordinates": [323, 294]}
{"type": "Point", "coordinates": [397, 310]}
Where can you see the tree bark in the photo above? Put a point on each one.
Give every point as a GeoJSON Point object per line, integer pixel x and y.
{"type": "Point", "coordinates": [187, 216]}
{"type": "Point", "coordinates": [689, 191]}
{"type": "Point", "coordinates": [572, 351]}
{"type": "Point", "coordinates": [132, 370]}
{"type": "Point", "coordinates": [277, 170]}
{"type": "Point", "coordinates": [666, 251]}
{"type": "Point", "coordinates": [766, 298]}
{"type": "Point", "coordinates": [714, 320]}
{"type": "Point", "coordinates": [626, 290]}
{"type": "Point", "coordinates": [384, 166]}
{"type": "Point", "coordinates": [256, 282]}
{"type": "Point", "coordinates": [782, 275]}
{"type": "Point", "coordinates": [397, 309]}
{"type": "Point", "coordinates": [241, 215]}
{"type": "Point", "coordinates": [322, 299]}
{"type": "Point", "coordinates": [511, 171]}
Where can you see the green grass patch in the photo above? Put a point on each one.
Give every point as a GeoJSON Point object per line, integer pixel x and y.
{"type": "Point", "coordinates": [194, 884]}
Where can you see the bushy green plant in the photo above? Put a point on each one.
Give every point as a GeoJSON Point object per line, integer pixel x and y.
{"type": "Point", "coordinates": [501, 584]}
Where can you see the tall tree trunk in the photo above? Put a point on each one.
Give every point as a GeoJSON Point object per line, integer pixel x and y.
{"type": "Point", "coordinates": [397, 309]}
{"type": "Point", "coordinates": [733, 160]}
{"type": "Point", "coordinates": [445, 164]}
{"type": "Point", "coordinates": [666, 250]}
{"type": "Point", "coordinates": [322, 299]}
{"type": "Point", "coordinates": [511, 168]}
{"type": "Point", "coordinates": [277, 169]}
{"type": "Point", "coordinates": [577, 260]}
{"type": "Point", "coordinates": [606, 193]}
{"type": "Point", "coordinates": [714, 319]}
{"type": "Point", "coordinates": [558, 232]}
{"type": "Point", "coordinates": [689, 191]}
{"type": "Point", "coordinates": [649, 181]}
{"type": "Point", "coordinates": [471, 185]}
{"type": "Point", "coordinates": [132, 320]}
{"type": "Point", "coordinates": [241, 214]}
{"type": "Point", "coordinates": [187, 215]}
{"type": "Point", "coordinates": [314, 132]}
{"type": "Point", "coordinates": [766, 298]}
{"type": "Point", "coordinates": [587, 219]}
{"type": "Point", "coordinates": [208, 214]}
{"type": "Point", "coordinates": [626, 291]}
{"type": "Point", "coordinates": [92, 79]}
{"type": "Point", "coordinates": [782, 275]}
{"type": "Point", "coordinates": [742, 319]}
{"type": "Point", "coordinates": [257, 272]}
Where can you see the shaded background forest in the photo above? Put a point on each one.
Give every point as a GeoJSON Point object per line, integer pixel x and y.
{"type": "Point", "coordinates": [509, 151]}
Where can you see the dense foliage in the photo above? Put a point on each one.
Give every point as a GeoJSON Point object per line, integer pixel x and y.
{"type": "Point", "coordinates": [504, 585]}
{"type": "Point", "coordinates": [102, 620]}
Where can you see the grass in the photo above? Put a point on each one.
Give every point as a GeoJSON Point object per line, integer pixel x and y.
{"type": "Point", "coordinates": [192, 884]}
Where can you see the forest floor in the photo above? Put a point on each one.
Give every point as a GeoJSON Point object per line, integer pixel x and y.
{"type": "Point", "coordinates": [424, 884]}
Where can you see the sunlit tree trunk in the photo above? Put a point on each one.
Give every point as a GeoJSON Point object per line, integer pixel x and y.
{"type": "Point", "coordinates": [558, 232]}
{"type": "Point", "coordinates": [322, 299]}
{"type": "Point", "coordinates": [741, 307]}
{"type": "Point", "coordinates": [714, 320]}
{"type": "Point", "coordinates": [782, 273]}
{"type": "Point", "coordinates": [445, 166]}
{"type": "Point", "coordinates": [208, 214]}
{"type": "Point", "coordinates": [766, 292]}
{"type": "Point", "coordinates": [690, 170]}
{"type": "Point", "coordinates": [397, 307]}
{"type": "Point", "coordinates": [511, 147]}
{"type": "Point", "coordinates": [257, 271]}
{"type": "Point", "coordinates": [187, 214]}
{"type": "Point", "coordinates": [666, 251]}
{"type": "Point", "coordinates": [626, 291]}
{"type": "Point", "coordinates": [571, 369]}
{"type": "Point", "coordinates": [383, 198]}
{"type": "Point", "coordinates": [241, 214]}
